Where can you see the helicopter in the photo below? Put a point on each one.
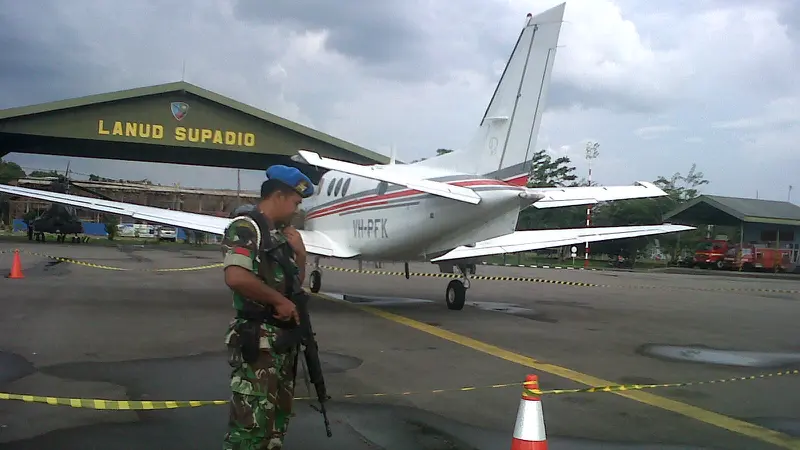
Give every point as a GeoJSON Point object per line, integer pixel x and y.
{"type": "Point", "coordinates": [59, 219]}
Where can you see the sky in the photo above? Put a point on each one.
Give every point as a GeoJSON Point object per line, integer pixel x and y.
{"type": "Point", "coordinates": [659, 85]}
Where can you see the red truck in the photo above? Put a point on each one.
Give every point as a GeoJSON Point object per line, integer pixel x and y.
{"type": "Point", "coordinates": [750, 257]}
{"type": "Point", "coordinates": [711, 253]}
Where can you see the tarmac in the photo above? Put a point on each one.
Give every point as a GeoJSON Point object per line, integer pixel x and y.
{"type": "Point", "coordinates": [75, 331]}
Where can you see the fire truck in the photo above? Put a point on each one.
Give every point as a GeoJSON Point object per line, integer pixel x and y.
{"type": "Point", "coordinates": [756, 257]}
{"type": "Point", "coordinates": [721, 253]}
{"type": "Point", "coordinates": [711, 253]}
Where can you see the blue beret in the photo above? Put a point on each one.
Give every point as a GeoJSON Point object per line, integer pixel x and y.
{"type": "Point", "coordinates": [293, 177]}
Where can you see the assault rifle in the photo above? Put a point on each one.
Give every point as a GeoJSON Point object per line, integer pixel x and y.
{"type": "Point", "coordinates": [304, 334]}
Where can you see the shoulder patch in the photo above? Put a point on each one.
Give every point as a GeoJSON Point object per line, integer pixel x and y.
{"type": "Point", "coordinates": [241, 237]}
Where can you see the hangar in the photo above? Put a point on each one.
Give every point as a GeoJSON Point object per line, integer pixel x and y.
{"type": "Point", "coordinates": [169, 123]}
{"type": "Point", "coordinates": [768, 223]}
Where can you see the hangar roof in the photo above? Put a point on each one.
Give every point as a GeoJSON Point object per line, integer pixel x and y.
{"type": "Point", "coordinates": [720, 210]}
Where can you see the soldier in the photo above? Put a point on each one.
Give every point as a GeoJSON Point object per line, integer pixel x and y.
{"type": "Point", "coordinates": [264, 263]}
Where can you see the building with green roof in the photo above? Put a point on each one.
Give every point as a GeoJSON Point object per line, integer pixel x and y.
{"type": "Point", "coordinates": [768, 222]}
{"type": "Point", "coordinates": [169, 123]}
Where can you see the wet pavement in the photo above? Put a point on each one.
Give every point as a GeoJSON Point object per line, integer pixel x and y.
{"type": "Point", "coordinates": [76, 331]}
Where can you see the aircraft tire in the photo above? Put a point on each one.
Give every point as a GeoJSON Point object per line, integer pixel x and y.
{"type": "Point", "coordinates": [456, 295]}
{"type": "Point", "coordinates": [315, 280]}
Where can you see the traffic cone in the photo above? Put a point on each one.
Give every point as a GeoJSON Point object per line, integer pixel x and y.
{"type": "Point", "coordinates": [529, 431]}
{"type": "Point", "coordinates": [16, 267]}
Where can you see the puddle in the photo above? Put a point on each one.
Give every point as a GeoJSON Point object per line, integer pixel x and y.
{"type": "Point", "coordinates": [14, 367]}
{"type": "Point", "coordinates": [355, 426]}
{"type": "Point", "coordinates": [566, 303]}
{"type": "Point", "coordinates": [701, 354]}
{"type": "Point", "coordinates": [49, 267]}
{"type": "Point", "coordinates": [511, 308]}
{"type": "Point", "coordinates": [378, 301]}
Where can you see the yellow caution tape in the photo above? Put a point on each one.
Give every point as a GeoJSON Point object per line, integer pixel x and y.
{"type": "Point", "coordinates": [122, 269]}
{"type": "Point", "coordinates": [560, 282]}
{"type": "Point", "coordinates": [172, 404]}
{"type": "Point", "coordinates": [434, 275]}
{"type": "Point", "coordinates": [131, 405]}
{"type": "Point", "coordinates": [471, 277]}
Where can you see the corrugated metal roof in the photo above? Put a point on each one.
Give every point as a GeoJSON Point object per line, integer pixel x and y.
{"type": "Point", "coordinates": [200, 92]}
{"type": "Point", "coordinates": [753, 207]}
{"type": "Point", "coordinates": [733, 208]}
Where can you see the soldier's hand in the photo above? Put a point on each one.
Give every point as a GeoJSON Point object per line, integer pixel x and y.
{"type": "Point", "coordinates": [295, 240]}
{"type": "Point", "coordinates": [286, 310]}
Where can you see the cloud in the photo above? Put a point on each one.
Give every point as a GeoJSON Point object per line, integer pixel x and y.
{"type": "Point", "coordinates": [653, 131]}
{"type": "Point", "coordinates": [417, 75]}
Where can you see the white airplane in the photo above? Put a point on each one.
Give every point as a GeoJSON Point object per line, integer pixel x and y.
{"type": "Point", "coordinates": [448, 210]}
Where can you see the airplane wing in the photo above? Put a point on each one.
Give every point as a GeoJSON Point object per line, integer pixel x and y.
{"type": "Point", "coordinates": [390, 175]}
{"type": "Point", "coordinates": [316, 242]}
{"type": "Point", "coordinates": [521, 241]}
{"type": "Point", "coordinates": [557, 197]}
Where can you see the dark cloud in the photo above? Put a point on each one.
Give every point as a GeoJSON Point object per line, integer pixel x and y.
{"type": "Point", "coordinates": [41, 58]}
{"type": "Point", "coordinates": [384, 35]}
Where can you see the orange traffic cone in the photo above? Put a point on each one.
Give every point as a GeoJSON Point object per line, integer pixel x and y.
{"type": "Point", "coordinates": [16, 267]}
{"type": "Point", "coordinates": [529, 430]}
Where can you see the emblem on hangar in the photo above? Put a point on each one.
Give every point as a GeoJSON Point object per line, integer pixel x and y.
{"type": "Point", "coordinates": [179, 110]}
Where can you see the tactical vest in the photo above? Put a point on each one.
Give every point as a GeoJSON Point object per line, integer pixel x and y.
{"type": "Point", "coordinates": [270, 250]}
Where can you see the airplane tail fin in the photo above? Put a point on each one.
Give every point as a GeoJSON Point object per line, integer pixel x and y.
{"type": "Point", "coordinates": [503, 145]}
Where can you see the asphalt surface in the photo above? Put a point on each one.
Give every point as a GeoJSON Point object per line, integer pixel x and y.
{"type": "Point", "coordinates": [68, 330]}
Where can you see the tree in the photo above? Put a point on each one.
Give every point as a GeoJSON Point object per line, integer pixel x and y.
{"type": "Point", "coordinates": [549, 172]}
{"type": "Point", "coordinates": [651, 211]}
{"type": "Point", "coordinates": [439, 152]}
{"type": "Point", "coordinates": [9, 171]}
{"type": "Point", "coordinates": [43, 174]}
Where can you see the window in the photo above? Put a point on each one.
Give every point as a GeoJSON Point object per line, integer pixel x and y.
{"type": "Point", "coordinates": [319, 188]}
{"type": "Point", "coordinates": [330, 186]}
{"type": "Point", "coordinates": [382, 187]}
{"type": "Point", "coordinates": [338, 186]}
{"type": "Point", "coordinates": [345, 187]}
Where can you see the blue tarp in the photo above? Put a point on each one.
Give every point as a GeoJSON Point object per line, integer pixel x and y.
{"type": "Point", "coordinates": [89, 228]}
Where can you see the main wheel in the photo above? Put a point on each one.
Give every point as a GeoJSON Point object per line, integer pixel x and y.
{"type": "Point", "coordinates": [456, 295]}
{"type": "Point", "coordinates": [315, 281]}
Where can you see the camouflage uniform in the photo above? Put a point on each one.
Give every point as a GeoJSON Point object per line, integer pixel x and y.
{"type": "Point", "coordinates": [262, 391]}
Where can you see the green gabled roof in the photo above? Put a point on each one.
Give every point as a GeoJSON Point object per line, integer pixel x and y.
{"type": "Point", "coordinates": [200, 92]}
{"type": "Point", "coordinates": [744, 209]}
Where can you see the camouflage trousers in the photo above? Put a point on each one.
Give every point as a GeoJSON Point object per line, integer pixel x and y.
{"type": "Point", "coordinates": [262, 393]}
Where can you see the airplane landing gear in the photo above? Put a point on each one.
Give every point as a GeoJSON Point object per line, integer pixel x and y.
{"type": "Point", "coordinates": [315, 278]}
{"type": "Point", "coordinates": [456, 293]}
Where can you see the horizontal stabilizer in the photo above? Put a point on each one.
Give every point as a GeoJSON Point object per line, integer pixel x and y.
{"type": "Point", "coordinates": [316, 242]}
{"type": "Point", "coordinates": [529, 240]}
{"type": "Point", "coordinates": [389, 174]}
{"type": "Point", "coordinates": [557, 197]}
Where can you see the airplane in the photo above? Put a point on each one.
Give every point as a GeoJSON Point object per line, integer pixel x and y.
{"type": "Point", "coordinates": [449, 210]}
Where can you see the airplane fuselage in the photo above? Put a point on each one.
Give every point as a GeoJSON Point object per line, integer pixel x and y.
{"type": "Point", "coordinates": [385, 222]}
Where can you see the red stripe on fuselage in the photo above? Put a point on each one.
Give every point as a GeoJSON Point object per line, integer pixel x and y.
{"type": "Point", "coordinates": [377, 200]}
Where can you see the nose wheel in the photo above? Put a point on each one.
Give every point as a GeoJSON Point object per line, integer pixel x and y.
{"type": "Point", "coordinates": [456, 293]}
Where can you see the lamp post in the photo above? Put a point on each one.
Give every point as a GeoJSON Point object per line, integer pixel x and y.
{"type": "Point", "coordinates": [591, 153]}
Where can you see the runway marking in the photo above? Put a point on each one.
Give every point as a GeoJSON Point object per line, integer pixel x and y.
{"type": "Point", "coordinates": [693, 412]}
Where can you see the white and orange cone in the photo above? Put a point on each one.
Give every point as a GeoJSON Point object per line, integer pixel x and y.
{"type": "Point", "coordinates": [529, 431]}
